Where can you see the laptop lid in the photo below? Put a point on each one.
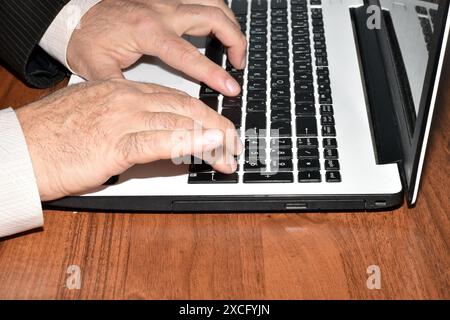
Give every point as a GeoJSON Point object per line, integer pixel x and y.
{"type": "Point", "coordinates": [402, 60]}
{"type": "Point", "coordinates": [421, 29]}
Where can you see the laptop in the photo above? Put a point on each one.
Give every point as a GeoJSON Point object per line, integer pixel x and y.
{"type": "Point", "coordinates": [335, 112]}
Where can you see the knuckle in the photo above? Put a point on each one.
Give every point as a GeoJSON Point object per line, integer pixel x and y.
{"type": "Point", "coordinates": [142, 21]}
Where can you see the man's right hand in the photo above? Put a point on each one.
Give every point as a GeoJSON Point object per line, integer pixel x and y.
{"type": "Point", "coordinates": [82, 135]}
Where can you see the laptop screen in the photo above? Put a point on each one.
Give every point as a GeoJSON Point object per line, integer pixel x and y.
{"type": "Point", "coordinates": [414, 23]}
{"type": "Point", "coordinates": [419, 28]}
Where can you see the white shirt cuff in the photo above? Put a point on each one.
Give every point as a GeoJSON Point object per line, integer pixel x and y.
{"type": "Point", "coordinates": [20, 205]}
{"type": "Point", "coordinates": [56, 39]}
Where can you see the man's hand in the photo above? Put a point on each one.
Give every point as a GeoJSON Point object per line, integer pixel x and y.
{"type": "Point", "coordinates": [82, 135]}
{"type": "Point", "coordinates": [116, 33]}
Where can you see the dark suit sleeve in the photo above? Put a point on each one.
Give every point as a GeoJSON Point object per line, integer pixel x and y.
{"type": "Point", "coordinates": [22, 25]}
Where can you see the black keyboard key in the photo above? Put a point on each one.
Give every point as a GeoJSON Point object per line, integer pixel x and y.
{"type": "Point", "coordinates": [327, 120]}
{"type": "Point", "coordinates": [255, 143]}
{"type": "Point", "coordinates": [306, 126]}
{"type": "Point", "coordinates": [281, 154]}
{"type": "Point", "coordinates": [257, 64]}
{"type": "Point", "coordinates": [257, 55]}
{"type": "Point", "coordinates": [304, 87]}
{"type": "Point", "coordinates": [325, 98]}
{"type": "Point", "coordinates": [280, 104]}
{"type": "Point", "coordinates": [254, 155]}
{"type": "Point", "coordinates": [256, 85]}
{"type": "Point", "coordinates": [308, 153]}
{"type": "Point", "coordinates": [219, 177]}
{"type": "Point", "coordinates": [280, 115]}
{"type": "Point", "coordinates": [309, 176]}
{"type": "Point", "coordinates": [280, 129]}
{"type": "Point", "coordinates": [280, 63]}
{"type": "Point", "coordinates": [259, 5]}
{"type": "Point", "coordinates": [257, 46]}
{"type": "Point", "coordinates": [254, 30]}
{"type": "Point", "coordinates": [258, 22]}
{"type": "Point", "coordinates": [323, 79]}
{"type": "Point", "coordinates": [328, 131]}
{"type": "Point", "coordinates": [282, 143]}
{"type": "Point", "coordinates": [256, 106]}
{"type": "Point", "coordinates": [329, 143]}
{"type": "Point", "coordinates": [303, 76]}
{"type": "Point", "coordinates": [259, 15]}
{"type": "Point", "coordinates": [305, 109]}
{"type": "Point", "coordinates": [281, 93]}
{"type": "Point", "coordinates": [333, 176]}
{"type": "Point", "coordinates": [254, 166]}
{"type": "Point", "coordinates": [239, 7]}
{"type": "Point", "coordinates": [332, 165]}
{"type": "Point", "coordinates": [326, 110]}
{"type": "Point", "coordinates": [256, 96]}
{"type": "Point", "coordinates": [280, 82]}
{"type": "Point", "coordinates": [232, 102]}
{"type": "Point", "coordinates": [280, 177]}
{"type": "Point", "coordinates": [323, 71]}
{"type": "Point", "coordinates": [257, 74]}
{"type": "Point", "coordinates": [200, 178]}
{"type": "Point", "coordinates": [255, 121]}
{"type": "Point", "coordinates": [279, 12]}
{"type": "Point", "coordinates": [301, 98]}
{"type": "Point", "coordinates": [307, 143]}
{"type": "Point", "coordinates": [308, 165]}
{"type": "Point", "coordinates": [279, 4]}
{"type": "Point", "coordinates": [281, 165]}
{"type": "Point", "coordinates": [279, 72]}
{"type": "Point", "coordinates": [330, 154]}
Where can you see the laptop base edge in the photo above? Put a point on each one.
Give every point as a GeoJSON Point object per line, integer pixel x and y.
{"type": "Point", "coordinates": [259, 203]}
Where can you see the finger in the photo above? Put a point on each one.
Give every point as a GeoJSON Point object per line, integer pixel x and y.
{"type": "Point", "coordinates": [220, 159]}
{"type": "Point", "coordinates": [200, 20]}
{"type": "Point", "coordinates": [147, 146]}
{"type": "Point", "coordinates": [215, 3]}
{"type": "Point", "coordinates": [181, 55]}
{"type": "Point", "coordinates": [196, 110]}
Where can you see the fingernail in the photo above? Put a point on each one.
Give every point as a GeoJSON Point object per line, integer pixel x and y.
{"type": "Point", "coordinates": [244, 62]}
{"type": "Point", "coordinates": [233, 165]}
{"type": "Point", "coordinates": [232, 86]}
{"type": "Point", "coordinates": [240, 146]}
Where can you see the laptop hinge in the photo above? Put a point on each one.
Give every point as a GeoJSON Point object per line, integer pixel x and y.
{"type": "Point", "coordinates": [381, 94]}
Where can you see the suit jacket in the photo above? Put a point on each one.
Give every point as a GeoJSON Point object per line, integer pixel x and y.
{"type": "Point", "coordinates": [22, 25]}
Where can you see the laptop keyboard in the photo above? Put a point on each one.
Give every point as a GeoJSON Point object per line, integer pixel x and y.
{"type": "Point", "coordinates": [285, 112]}
{"type": "Point", "coordinates": [427, 19]}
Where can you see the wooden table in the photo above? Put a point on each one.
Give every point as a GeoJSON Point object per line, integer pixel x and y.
{"type": "Point", "coordinates": [242, 256]}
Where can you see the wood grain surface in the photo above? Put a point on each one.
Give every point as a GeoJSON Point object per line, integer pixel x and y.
{"type": "Point", "coordinates": [239, 256]}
